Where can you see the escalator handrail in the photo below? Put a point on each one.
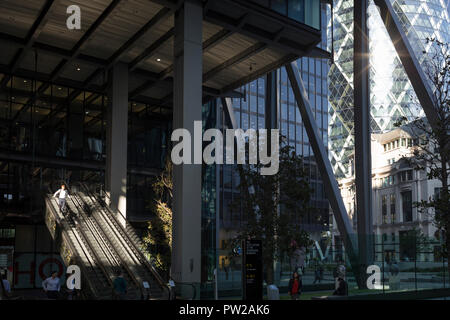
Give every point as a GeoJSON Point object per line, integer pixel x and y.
{"type": "Point", "coordinates": [137, 247]}
{"type": "Point", "coordinates": [134, 234]}
{"type": "Point", "coordinates": [117, 227]}
{"type": "Point", "coordinates": [133, 244]}
{"type": "Point", "coordinates": [97, 232]}
{"type": "Point", "coordinates": [72, 248]}
{"type": "Point", "coordinates": [97, 259]}
{"type": "Point", "coordinates": [120, 256]}
{"type": "Point", "coordinates": [194, 288]}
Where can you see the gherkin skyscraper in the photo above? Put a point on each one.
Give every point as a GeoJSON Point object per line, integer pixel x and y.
{"type": "Point", "coordinates": [391, 93]}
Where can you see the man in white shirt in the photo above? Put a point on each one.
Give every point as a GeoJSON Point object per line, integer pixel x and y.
{"type": "Point", "coordinates": [6, 284]}
{"type": "Point", "coordinates": [52, 286]}
{"type": "Point", "coordinates": [62, 194]}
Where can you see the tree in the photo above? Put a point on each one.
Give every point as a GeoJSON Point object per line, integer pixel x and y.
{"type": "Point", "coordinates": [272, 206]}
{"type": "Point", "coordinates": [413, 243]}
{"type": "Point", "coordinates": [158, 240]}
{"type": "Point", "coordinates": [431, 152]}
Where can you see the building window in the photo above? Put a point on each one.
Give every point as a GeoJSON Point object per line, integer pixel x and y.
{"type": "Point", "coordinates": [410, 142]}
{"type": "Point", "coordinates": [392, 200]}
{"type": "Point", "coordinates": [437, 253]}
{"type": "Point", "coordinates": [279, 6]}
{"type": "Point", "coordinates": [437, 197]}
{"type": "Point", "coordinates": [391, 180]}
{"type": "Point", "coordinates": [384, 209]}
{"type": "Point", "coordinates": [405, 175]}
{"type": "Point", "coordinates": [407, 245]}
{"type": "Point", "coordinates": [407, 206]}
{"type": "Point", "coordinates": [296, 10]}
{"type": "Point", "coordinates": [7, 233]}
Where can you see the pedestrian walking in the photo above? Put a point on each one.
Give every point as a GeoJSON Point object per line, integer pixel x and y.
{"type": "Point", "coordinates": [339, 272]}
{"type": "Point", "coordinates": [120, 286]}
{"type": "Point", "coordinates": [318, 272]}
{"type": "Point", "coordinates": [70, 291]}
{"type": "Point", "coordinates": [52, 285]}
{"type": "Point", "coordinates": [62, 195]}
{"type": "Point", "coordinates": [342, 288]}
{"type": "Point", "coordinates": [6, 284]}
{"type": "Point", "coordinates": [295, 286]}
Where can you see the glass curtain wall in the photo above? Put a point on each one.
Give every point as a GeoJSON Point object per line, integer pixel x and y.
{"type": "Point", "coordinates": [304, 11]}
{"type": "Point", "coordinates": [51, 134]}
{"type": "Point", "coordinates": [250, 112]}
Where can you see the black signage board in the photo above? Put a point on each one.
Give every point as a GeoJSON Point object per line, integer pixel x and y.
{"type": "Point", "coordinates": [252, 270]}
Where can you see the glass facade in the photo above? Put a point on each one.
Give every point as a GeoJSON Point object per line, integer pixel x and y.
{"type": "Point", "coordinates": [209, 209]}
{"type": "Point", "coordinates": [391, 93]}
{"type": "Point", "coordinates": [61, 136]}
{"type": "Point", "coordinates": [304, 11]}
{"type": "Point", "coordinates": [250, 112]}
{"type": "Point", "coordinates": [407, 259]}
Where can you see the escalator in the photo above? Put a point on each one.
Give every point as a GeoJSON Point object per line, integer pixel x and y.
{"type": "Point", "coordinates": [93, 237]}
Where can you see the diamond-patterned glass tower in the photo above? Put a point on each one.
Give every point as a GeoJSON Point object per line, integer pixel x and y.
{"type": "Point", "coordinates": [391, 93]}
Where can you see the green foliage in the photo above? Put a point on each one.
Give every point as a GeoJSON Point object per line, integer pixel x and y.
{"type": "Point", "coordinates": [273, 205]}
{"type": "Point", "coordinates": [432, 154]}
{"type": "Point", "coordinates": [158, 239]}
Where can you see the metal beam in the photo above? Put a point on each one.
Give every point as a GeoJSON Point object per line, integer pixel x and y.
{"type": "Point", "coordinates": [215, 39]}
{"type": "Point", "coordinates": [269, 15]}
{"type": "Point", "coordinates": [259, 73]}
{"type": "Point", "coordinates": [363, 168]}
{"type": "Point", "coordinates": [319, 54]}
{"type": "Point", "coordinates": [31, 37]}
{"type": "Point", "coordinates": [227, 106]}
{"type": "Point", "coordinates": [52, 50]}
{"type": "Point", "coordinates": [151, 49]}
{"type": "Point", "coordinates": [207, 45]}
{"type": "Point", "coordinates": [409, 61]}
{"type": "Point", "coordinates": [158, 17]}
{"type": "Point", "coordinates": [323, 163]}
{"type": "Point", "coordinates": [271, 39]}
{"type": "Point", "coordinates": [115, 57]}
{"type": "Point", "coordinates": [73, 55]}
{"type": "Point", "coordinates": [58, 162]}
{"type": "Point", "coordinates": [271, 103]}
{"type": "Point", "coordinates": [244, 55]}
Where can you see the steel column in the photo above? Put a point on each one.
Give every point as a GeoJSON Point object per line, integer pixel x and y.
{"type": "Point", "coordinates": [187, 108]}
{"type": "Point", "coordinates": [361, 113]}
{"type": "Point", "coordinates": [409, 61]}
{"type": "Point", "coordinates": [323, 163]}
{"type": "Point", "coordinates": [116, 138]}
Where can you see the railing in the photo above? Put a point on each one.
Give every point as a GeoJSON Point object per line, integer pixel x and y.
{"type": "Point", "coordinates": [179, 288]}
{"type": "Point", "coordinates": [98, 235]}
{"type": "Point", "coordinates": [138, 251]}
{"type": "Point", "coordinates": [118, 251]}
{"type": "Point", "coordinates": [77, 259]}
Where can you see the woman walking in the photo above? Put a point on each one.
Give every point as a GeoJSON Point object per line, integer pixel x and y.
{"type": "Point", "coordinates": [295, 286]}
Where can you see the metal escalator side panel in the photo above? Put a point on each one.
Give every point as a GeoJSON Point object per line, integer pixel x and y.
{"type": "Point", "coordinates": [71, 248]}
{"type": "Point", "coordinates": [118, 228]}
